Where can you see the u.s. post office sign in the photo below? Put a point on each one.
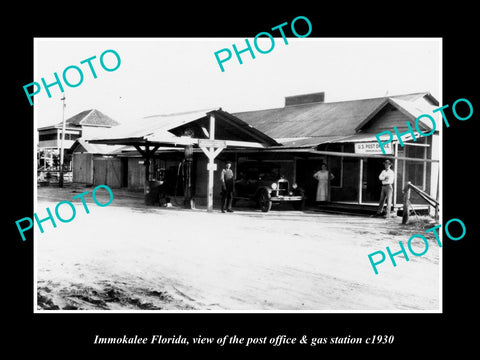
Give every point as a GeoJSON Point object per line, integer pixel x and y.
{"type": "Point", "coordinates": [372, 148]}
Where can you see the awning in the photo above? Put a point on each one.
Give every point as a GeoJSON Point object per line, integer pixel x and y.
{"type": "Point", "coordinates": [315, 141]}
{"type": "Point", "coordinates": [166, 130]}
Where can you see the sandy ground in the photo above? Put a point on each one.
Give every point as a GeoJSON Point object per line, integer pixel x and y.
{"type": "Point", "coordinates": [127, 256]}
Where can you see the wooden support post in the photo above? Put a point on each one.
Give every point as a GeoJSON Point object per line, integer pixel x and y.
{"type": "Point", "coordinates": [147, 164]}
{"type": "Point", "coordinates": [208, 147]}
{"type": "Point", "coordinates": [62, 147]}
{"type": "Point", "coordinates": [147, 154]}
{"type": "Point", "coordinates": [188, 202]}
{"type": "Point", "coordinates": [438, 197]}
{"type": "Point", "coordinates": [395, 171]}
{"type": "Point", "coordinates": [360, 182]}
{"type": "Point", "coordinates": [210, 165]}
{"type": "Point", "coordinates": [155, 148]}
{"type": "Point", "coordinates": [406, 201]}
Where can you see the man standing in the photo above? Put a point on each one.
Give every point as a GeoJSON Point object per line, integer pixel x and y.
{"type": "Point", "coordinates": [387, 177]}
{"type": "Point", "coordinates": [226, 178]}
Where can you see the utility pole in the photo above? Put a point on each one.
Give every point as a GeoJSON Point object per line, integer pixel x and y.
{"type": "Point", "coordinates": [60, 180]}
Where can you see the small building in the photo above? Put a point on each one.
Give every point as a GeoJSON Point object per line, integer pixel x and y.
{"type": "Point", "coordinates": [342, 135]}
{"type": "Point", "coordinates": [84, 124]}
{"type": "Point", "coordinates": [95, 164]}
{"type": "Point", "coordinates": [164, 137]}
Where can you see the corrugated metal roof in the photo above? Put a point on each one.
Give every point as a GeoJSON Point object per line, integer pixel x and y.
{"type": "Point", "coordinates": [319, 119]}
{"type": "Point", "coordinates": [305, 125]}
{"type": "Point", "coordinates": [418, 108]}
{"type": "Point", "coordinates": [152, 126]}
{"type": "Point", "coordinates": [327, 121]}
{"type": "Point", "coordinates": [368, 138]}
{"type": "Point", "coordinates": [156, 129]}
{"type": "Point", "coordinates": [95, 148]}
{"type": "Point", "coordinates": [318, 140]}
{"type": "Point", "coordinates": [309, 142]}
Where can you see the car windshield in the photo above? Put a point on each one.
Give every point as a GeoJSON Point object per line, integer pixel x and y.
{"type": "Point", "coordinates": [259, 171]}
{"type": "Point", "coordinates": [267, 176]}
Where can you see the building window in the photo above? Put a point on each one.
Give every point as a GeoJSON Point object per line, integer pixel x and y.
{"type": "Point", "coordinates": [46, 137]}
{"type": "Point", "coordinates": [415, 173]}
{"type": "Point", "coordinates": [71, 136]}
{"type": "Point", "coordinates": [417, 152]}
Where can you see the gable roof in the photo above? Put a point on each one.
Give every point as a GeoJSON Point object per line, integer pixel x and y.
{"type": "Point", "coordinates": [91, 117]}
{"type": "Point", "coordinates": [326, 120]}
{"type": "Point", "coordinates": [302, 125]}
{"type": "Point", "coordinates": [411, 109]}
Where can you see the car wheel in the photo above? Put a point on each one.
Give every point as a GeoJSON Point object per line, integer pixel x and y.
{"type": "Point", "coordinates": [264, 202]}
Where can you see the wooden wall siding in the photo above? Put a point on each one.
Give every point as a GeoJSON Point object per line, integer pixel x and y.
{"type": "Point", "coordinates": [386, 119]}
{"type": "Point", "coordinates": [107, 171]}
{"type": "Point", "coordinates": [399, 173]}
{"type": "Point", "coordinates": [82, 168]}
{"type": "Point", "coordinates": [136, 174]}
{"type": "Point", "coordinates": [201, 180]}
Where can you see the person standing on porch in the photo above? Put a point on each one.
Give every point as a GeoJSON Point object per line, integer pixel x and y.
{"type": "Point", "coordinates": [387, 177]}
{"type": "Point", "coordinates": [226, 178]}
{"type": "Point", "coordinates": [323, 176]}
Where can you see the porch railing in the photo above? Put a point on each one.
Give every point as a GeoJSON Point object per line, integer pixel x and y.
{"type": "Point", "coordinates": [407, 204]}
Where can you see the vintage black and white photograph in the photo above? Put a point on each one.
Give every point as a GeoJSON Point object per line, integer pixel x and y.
{"type": "Point", "coordinates": [212, 175]}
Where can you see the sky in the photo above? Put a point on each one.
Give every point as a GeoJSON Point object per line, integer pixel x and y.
{"type": "Point", "coordinates": [170, 75]}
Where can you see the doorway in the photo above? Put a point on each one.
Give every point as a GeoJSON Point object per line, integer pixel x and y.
{"type": "Point", "coordinates": [371, 185]}
{"type": "Point", "coordinates": [305, 168]}
{"type": "Point", "coordinates": [124, 168]}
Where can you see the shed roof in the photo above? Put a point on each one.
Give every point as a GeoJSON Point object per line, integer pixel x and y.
{"type": "Point", "coordinates": [317, 140]}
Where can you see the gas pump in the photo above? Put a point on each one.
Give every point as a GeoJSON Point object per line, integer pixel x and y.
{"type": "Point", "coordinates": [188, 202]}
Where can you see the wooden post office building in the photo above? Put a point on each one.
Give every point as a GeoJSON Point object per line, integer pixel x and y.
{"type": "Point", "coordinates": [298, 137]}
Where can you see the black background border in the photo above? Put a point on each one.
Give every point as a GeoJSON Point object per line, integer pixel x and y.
{"type": "Point", "coordinates": [414, 333]}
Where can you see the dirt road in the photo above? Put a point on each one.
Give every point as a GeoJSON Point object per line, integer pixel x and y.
{"type": "Point", "coordinates": [121, 257]}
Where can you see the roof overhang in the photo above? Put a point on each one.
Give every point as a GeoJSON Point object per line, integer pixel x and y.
{"type": "Point", "coordinates": [160, 135]}
{"type": "Point", "coordinates": [411, 111]}
{"type": "Point", "coordinates": [313, 142]}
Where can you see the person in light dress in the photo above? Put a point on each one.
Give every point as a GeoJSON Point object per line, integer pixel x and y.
{"type": "Point", "coordinates": [323, 188]}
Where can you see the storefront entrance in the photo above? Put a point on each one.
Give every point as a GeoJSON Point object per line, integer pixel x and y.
{"type": "Point", "coordinates": [371, 185]}
{"type": "Point", "coordinates": [305, 168]}
{"type": "Point", "coordinates": [351, 174]}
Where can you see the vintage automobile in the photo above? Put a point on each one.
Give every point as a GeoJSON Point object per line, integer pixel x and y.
{"type": "Point", "coordinates": [264, 184]}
